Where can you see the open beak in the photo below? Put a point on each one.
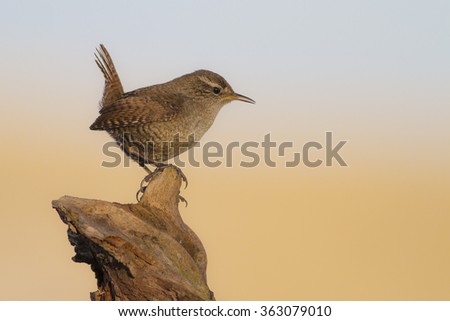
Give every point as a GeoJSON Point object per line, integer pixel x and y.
{"type": "Point", "coordinates": [243, 98]}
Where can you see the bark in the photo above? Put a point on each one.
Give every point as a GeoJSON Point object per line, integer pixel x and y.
{"type": "Point", "coordinates": [140, 251]}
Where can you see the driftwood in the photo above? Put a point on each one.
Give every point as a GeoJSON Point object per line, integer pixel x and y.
{"type": "Point", "coordinates": [138, 251]}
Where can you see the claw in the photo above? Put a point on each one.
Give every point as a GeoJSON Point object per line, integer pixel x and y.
{"type": "Point", "coordinates": [183, 177]}
{"type": "Point", "coordinates": [138, 195]}
{"type": "Point", "coordinates": [143, 185]}
{"type": "Point", "coordinates": [147, 178]}
{"type": "Point", "coordinates": [182, 199]}
{"type": "Point", "coordinates": [179, 172]}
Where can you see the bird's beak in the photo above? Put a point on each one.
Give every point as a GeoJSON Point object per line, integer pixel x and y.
{"type": "Point", "coordinates": [243, 98]}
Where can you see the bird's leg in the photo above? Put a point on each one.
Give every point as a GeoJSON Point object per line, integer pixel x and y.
{"type": "Point", "coordinates": [147, 169]}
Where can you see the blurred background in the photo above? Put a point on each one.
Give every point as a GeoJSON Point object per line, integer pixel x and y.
{"type": "Point", "coordinates": [375, 73]}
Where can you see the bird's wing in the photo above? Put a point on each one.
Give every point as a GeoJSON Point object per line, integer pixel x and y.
{"type": "Point", "coordinates": [134, 110]}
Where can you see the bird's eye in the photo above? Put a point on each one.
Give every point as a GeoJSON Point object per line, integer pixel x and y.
{"type": "Point", "coordinates": [216, 90]}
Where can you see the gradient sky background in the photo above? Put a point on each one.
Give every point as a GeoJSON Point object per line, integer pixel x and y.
{"type": "Point", "coordinates": [375, 73]}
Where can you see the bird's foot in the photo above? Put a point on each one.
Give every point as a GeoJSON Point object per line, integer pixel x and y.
{"type": "Point", "coordinates": [179, 172]}
{"type": "Point", "coordinates": [145, 181]}
{"type": "Point", "coordinates": [143, 185]}
{"type": "Point", "coordinates": [183, 177]}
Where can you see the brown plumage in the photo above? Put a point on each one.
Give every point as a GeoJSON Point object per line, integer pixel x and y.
{"type": "Point", "coordinates": [144, 122]}
{"type": "Point", "coordinates": [113, 87]}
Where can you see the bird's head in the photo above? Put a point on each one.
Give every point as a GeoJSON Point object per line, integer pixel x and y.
{"type": "Point", "coordinates": [213, 88]}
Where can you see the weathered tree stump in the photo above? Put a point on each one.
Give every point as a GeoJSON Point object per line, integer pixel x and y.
{"type": "Point", "coordinates": [138, 251]}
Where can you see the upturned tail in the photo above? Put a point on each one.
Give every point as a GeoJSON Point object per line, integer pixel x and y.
{"type": "Point", "coordinates": [113, 87]}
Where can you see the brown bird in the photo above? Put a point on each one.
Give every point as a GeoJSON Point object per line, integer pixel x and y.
{"type": "Point", "coordinates": [156, 123]}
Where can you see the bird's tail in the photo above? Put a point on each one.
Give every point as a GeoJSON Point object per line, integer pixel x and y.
{"type": "Point", "coordinates": [113, 87]}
